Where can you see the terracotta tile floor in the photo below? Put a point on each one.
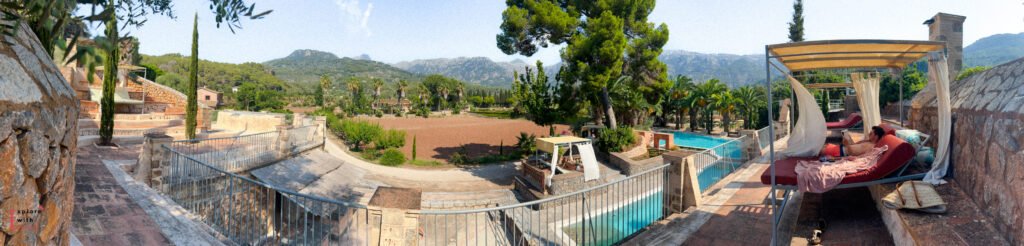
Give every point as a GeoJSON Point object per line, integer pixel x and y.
{"type": "Point", "coordinates": [746, 220]}
{"type": "Point", "coordinates": [104, 213]}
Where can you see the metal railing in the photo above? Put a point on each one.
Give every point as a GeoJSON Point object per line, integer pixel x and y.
{"type": "Point", "coordinates": [250, 212]}
{"type": "Point", "coordinates": [234, 154]}
{"type": "Point", "coordinates": [714, 163]}
{"type": "Point", "coordinates": [601, 215]}
{"type": "Point", "coordinates": [121, 132]}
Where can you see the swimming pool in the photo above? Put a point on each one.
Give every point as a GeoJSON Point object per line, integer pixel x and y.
{"type": "Point", "coordinates": [724, 157]}
{"type": "Point", "coordinates": [611, 227]}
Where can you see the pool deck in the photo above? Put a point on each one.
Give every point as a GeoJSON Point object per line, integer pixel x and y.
{"type": "Point", "coordinates": [737, 214]}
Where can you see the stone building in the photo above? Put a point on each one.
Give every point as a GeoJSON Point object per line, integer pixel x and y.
{"type": "Point", "coordinates": [987, 147]}
{"type": "Point", "coordinates": [209, 97]}
{"type": "Point", "coordinates": [38, 141]}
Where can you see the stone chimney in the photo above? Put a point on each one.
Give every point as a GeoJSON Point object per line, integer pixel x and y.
{"type": "Point", "coordinates": [949, 28]}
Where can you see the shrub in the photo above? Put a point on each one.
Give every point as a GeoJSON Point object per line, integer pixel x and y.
{"type": "Point", "coordinates": [392, 157]}
{"type": "Point", "coordinates": [526, 144]}
{"type": "Point", "coordinates": [615, 140]}
{"type": "Point", "coordinates": [358, 132]}
{"type": "Point", "coordinates": [370, 154]}
{"type": "Point", "coordinates": [390, 139]}
{"type": "Point", "coordinates": [461, 157]}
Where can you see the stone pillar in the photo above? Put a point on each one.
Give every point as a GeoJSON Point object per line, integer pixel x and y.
{"type": "Point", "coordinates": [683, 188]}
{"type": "Point", "coordinates": [950, 29]}
{"type": "Point", "coordinates": [38, 143]}
{"type": "Point", "coordinates": [751, 144]}
{"type": "Point", "coordinates": [283, 148]}
{"type": "Point", "coordinates": [298, 119]}
{"type": "Point", "coordinates": [151, 157]}
{"type": "Point", "coordinates": [321, 130]}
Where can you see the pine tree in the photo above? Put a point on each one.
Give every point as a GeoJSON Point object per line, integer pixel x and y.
{"type": "Point", "coordinates": [796, 27]}
{"type": "Point", "coordinates": [109, 80]}
{"type": "Point", "coordinates": [193, 83]}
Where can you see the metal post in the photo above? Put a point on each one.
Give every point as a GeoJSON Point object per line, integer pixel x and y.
{"type": "Point", "coordinates": [901, 98]}
{"type": "Point", "coordinates": [771, 146]}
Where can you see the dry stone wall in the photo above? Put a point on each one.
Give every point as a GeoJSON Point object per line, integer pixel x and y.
{"type": "Point", "coordinates": [988, 131]}
{"type": "Point", "coordinates": [38, 112]}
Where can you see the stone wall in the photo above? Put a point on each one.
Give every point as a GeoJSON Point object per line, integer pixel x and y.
{"type": "Point", "coordinates": [38, 143]}
{"type": "Point", "coordinates": [987, 156]}
{"type": "Point", "coordinates": [248, 121]}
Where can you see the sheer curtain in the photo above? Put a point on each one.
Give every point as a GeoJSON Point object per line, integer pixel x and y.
{"type": "Point", "coordinates": [808, 136]}
{"type": "Point", "coordinates": [866, 85]}
{"type": "Point", "coordinates": [940, 76]}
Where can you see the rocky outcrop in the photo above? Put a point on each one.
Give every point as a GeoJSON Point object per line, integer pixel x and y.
{"type": "Point", "coordinates": [38, 126]}
{"type": "Point", "coordinates": [987, 152]}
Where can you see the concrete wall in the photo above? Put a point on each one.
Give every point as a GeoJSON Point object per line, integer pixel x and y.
{"type": "Point", "coordinates": [38, 144]}
{"type": "Point", "coordinates": [248, 121]}
{"type": "Point", "coordinates": [987, 152]}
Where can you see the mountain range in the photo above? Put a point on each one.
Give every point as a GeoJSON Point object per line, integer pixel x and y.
{"type": "Point", "coordinates": [306, 66]}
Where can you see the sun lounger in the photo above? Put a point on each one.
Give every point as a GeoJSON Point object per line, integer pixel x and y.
{"type": "Point", "coordinates": [850, 122]}
{"type": "Point", "coordinates": [890, 168]}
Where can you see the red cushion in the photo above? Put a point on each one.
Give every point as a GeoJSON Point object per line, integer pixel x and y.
{"type": "Point", "coordinates": [850, 121]}
{"type": "Point", "coordinates": [899, 154]}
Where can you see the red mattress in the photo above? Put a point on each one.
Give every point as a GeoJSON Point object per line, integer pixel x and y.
{"type": "Point", "coordinates": [899, 154]}
{"type": "Point", "coordinates": [850, 121]}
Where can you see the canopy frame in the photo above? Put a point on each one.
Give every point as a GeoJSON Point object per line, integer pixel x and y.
{"type": "Point", "coordinates": [836, 54]}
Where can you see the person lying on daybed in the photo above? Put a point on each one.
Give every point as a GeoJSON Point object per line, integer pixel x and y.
{"type": "Point", "coordinates": [850, 148]}
{"type": "Point", "coordinates": [820, 176]}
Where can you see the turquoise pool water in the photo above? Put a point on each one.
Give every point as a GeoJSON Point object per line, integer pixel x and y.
{"type": "Point", "coordinates": [729, 156]}
{"type": "Point", "coordinates": [611, 227]}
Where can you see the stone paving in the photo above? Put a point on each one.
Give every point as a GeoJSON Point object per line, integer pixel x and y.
{"type": "Point", "coordinates": [104, 213]}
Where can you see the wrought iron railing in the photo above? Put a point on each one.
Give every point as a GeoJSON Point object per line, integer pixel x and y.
{"type": "Point", "coordinates": [234, 154]}
{"type": "Point", "coordinates": [714, 163]}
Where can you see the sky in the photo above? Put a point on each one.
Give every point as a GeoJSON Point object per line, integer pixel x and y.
{"type": "Point", "coordinates": [401, 30]}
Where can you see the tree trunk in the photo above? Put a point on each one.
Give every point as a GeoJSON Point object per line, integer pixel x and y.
{"type": "Point", "coordinates": [609, 111]}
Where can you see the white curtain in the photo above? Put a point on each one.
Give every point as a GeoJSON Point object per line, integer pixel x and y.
{"type": "Point", "coordinates": [866, 85]}
{"type": "Point", "coordinates": [939, 75]}
{"type": "Point", "coordinates": [808, 136]}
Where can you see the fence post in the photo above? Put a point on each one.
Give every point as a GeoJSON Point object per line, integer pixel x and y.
{"type": "Point", "coordinates": [149, 165]}
{"type": "Point", "coordinates": [751, 145]}
{"type": "Point", "coordinates": [682, 187]}
{"type": "Point", "coordinates": [283, 148]}
{"type": "Point", "coordinates": [321, 130]}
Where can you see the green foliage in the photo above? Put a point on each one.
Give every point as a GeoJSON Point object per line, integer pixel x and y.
{"type": "Point", "coordinates": [796, 27]}
{"type": "Point", "coordinates": [109, 79]}
{"type": "Point", "coordinates": [254, 97]}
{"type": "Point", "coordinates": [192, 106]}
{"type": "Point", "coordinates": [615, 140]}
{"type": "Point", "coordinates": [971, 71]}
{"type": "Point", "coordinates": [459, 158]}
{"type": "Point", "coordinates": [535, 98]}
{"type": "Point", "coordinates": [358, 132]}
{"type": "Point", "coordinates": [439, 91]}
{"type": "Point", "coordinates": [994, 50]}
{"type": "Point", "coordinates": [750, 103]}
{"type": "Point", "coordinates": [494, 113]}
{"type": "Point", "coordinates": [414, 147]}
{"type": "Point", "coordinates": [392, 157]}
{"type": "Point", "coordinates": [318, 94]}
{"type": "Point", "coordinates": [425, 163]}
{"type": "Point", "coordinates": [390, 139]}
{"type": "Point", "coordinates": [603, 41]}
{"type": "Point", "coordinates": [152, 72]}
{"type": "Point", "coordinates": [370, 154]}
{"type": "Point", "coordinates": [215, 75]}
{"type": "Point", "coordinates": [526, 144]}
{"type": "Point", "coordinates": [912, 80]}
{"type": "Point", "coordinates": [704, 100]}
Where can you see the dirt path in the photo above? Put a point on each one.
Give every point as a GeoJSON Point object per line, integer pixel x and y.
{"type": "Point", "coordinates": [490, 177]}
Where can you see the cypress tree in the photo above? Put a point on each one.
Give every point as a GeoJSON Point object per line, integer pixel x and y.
{"type": "Point", "coordinates": [193, 83]}
{"type": "Point", "coordinates": [796, 27]}
{"type": "Point", "coordinates": [414, 147]}
{"type": "Point", "coordinates": [109, 80]}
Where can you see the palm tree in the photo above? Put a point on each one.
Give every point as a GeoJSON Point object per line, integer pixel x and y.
{"type": "Point", "coordinates": [750, 100]}
{"type": "Point", "coordinates": [402, 84]}
{"type": "Point", "coordinates": [444, 97]}
{"type": "Point", "coordinates": [676, 100]}
{"type": "Point", "coordinates": [355, 87]}
{"type": "Point", "coordinates": [703, 100]}
{"type": "Point", "coordinates": [377, 85]}
{"type": "Point", "coordinates": [725, 103]}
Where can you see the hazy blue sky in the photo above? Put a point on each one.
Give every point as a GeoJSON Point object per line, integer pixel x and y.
{"type": "Point", "coordinates": [400, 30]}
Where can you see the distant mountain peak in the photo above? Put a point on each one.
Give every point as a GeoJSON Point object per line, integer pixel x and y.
{"type": "Point", "coordinates": [308, 53]}
{"type": "Point", "coordinates": [994, 50]}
